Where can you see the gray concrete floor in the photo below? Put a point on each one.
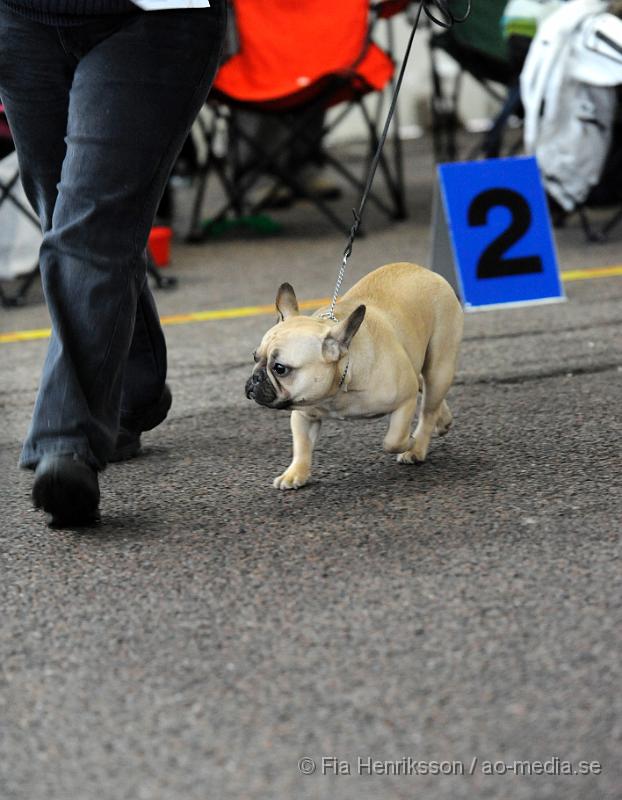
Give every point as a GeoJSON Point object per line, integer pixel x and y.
{"type": "Point", "coordinates": [212, 631]}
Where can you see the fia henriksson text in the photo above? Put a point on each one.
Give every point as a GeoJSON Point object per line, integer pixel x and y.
{"type": "Point", "coordinates": [368, 766]}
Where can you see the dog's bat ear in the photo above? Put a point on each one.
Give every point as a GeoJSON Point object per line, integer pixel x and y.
{"type": "Point", "coordinates": [286, 303]}
{"type": "Point", "coordinates": [338, 340]}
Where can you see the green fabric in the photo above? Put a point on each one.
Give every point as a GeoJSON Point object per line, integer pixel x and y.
{"type": "Point", "coordinates": [482, 29]}
{"type": "Point", "coordinates": [521, 27]}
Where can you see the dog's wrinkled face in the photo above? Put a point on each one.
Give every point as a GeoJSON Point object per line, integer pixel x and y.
{"type": "Point", "coordinates": [296, 362]}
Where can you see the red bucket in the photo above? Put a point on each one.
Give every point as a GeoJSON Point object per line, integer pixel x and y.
{"type": "Point", "coordinates": [160, 245]}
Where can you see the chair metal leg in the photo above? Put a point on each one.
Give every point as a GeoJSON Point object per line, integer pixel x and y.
{"type": "Point", "coordinates": [601, 235]}
{"type": "Point", "coordinates": [161, 281]}
{"type": "Point", "coordinates": [238, 179]}
{"type": "Point", "coordinates": [590, 234]}
{"type": "Point", "coordinates": [612, 223]}
{"type": "Point", "coordinates": [298, 189]}
{"type": "Point", "coordinates": [267, 161]}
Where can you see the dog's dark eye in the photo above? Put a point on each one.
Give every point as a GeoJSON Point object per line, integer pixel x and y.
{"type": "Point", "coordinates": [280, 369]}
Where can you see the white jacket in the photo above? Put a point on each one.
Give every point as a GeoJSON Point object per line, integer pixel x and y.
{"type": "Point", "coordinates": [567, 83]}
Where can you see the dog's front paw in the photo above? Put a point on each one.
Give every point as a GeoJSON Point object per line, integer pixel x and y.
{"type": "Point", "coordinates": [410, 457]}
{"type": "Point", "coordinates": [294, 477]}
{"type": "Point", "coordinates": [415, 454]}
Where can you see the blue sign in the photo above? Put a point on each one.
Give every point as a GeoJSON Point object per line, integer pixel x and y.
{"type": "Point", "coordinates": [494, 227]}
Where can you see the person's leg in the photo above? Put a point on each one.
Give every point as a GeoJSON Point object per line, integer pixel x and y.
{"type": "Point", "coordinates": [35, 79]}
{"type": "Point", "coordinates": [132, 101]}
{"type": "Point", "coordinates": [145, 371]}
{"type": "Point", "coordinates": [136, 84]}
{"type": "Point", "coordinates": [146, 398]}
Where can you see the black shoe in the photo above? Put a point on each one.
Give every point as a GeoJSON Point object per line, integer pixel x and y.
{"type": "Point", "coordinates": [67, 489]}
{"type": "Point", "coordinates": [128, 440]}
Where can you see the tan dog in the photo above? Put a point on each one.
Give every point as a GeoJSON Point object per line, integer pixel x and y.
{"type": "Point", "coordinates": [398, 333]}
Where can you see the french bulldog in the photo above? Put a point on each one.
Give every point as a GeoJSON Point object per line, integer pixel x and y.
{"type": "Point", "coordinates": [397, 333]}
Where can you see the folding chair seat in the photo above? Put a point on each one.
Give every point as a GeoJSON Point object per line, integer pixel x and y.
{"type": "Point", "coordinates": [384, 9]}
{"type": "Point", "coordinates": [478, 47]}
{"type": "Point", "coordinates": [295, 61]}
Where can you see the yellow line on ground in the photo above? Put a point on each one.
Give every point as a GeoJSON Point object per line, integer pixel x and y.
{"type": "Point", "coordinates": [232, 313]}
{"type": "Point", "coordinates": [175, 319]}
{"type": "Point", "coordinates": [255, 311]}
{"type": "Point", "coordinates": [588, 274]}
{"type": "Point", "coordinates": [24, 336]}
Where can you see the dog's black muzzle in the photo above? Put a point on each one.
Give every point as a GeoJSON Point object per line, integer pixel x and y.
{"type": "Point", "coordinates": [260, 389]}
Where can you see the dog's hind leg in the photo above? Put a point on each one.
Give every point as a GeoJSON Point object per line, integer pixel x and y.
{"type": "Point", "coordinates": [438, 373]}
{"type": "Point", "coordinates": [398, 437]}
{"type": "Point", "coordinates": [445, 417]}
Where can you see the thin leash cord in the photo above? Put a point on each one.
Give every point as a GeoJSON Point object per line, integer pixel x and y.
{"type": "Point", "coordinates": [446, 21]}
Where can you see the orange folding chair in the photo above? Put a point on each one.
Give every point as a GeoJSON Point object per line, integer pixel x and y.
{"type": "Point", "coordinates": [295, 61]}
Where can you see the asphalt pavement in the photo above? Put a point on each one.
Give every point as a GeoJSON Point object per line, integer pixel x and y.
{"type": "Point", "coordinates": [393, 631]}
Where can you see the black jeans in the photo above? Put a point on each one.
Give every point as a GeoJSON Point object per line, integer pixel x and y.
{"type": "Point", "coordinates": [99, 112]}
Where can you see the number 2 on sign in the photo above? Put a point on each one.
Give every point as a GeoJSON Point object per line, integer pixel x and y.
{"type": "Point", "coordinates": [492, 263]}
